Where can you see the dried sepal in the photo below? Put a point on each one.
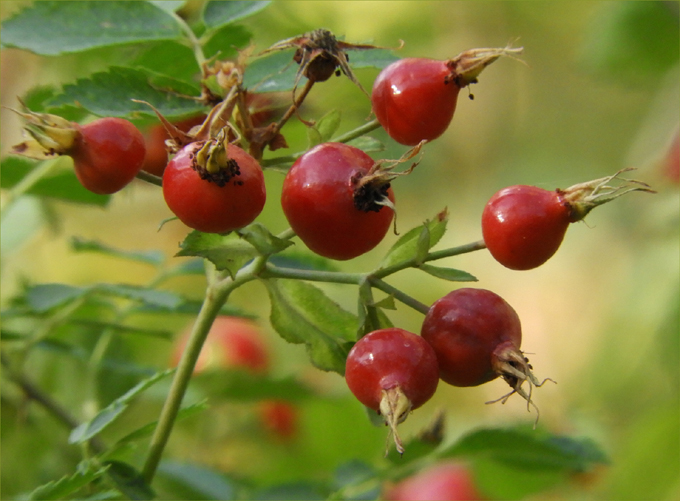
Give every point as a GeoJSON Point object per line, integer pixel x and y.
{"type": "Point", "coordinates": [320, 54]}
{"type": "Point", "coordinates": [466, 66]}
{"type": "Point", "coordinates": [48, 135]}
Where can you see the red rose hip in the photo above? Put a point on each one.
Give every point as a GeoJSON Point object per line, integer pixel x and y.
{"type": "Point", "coordinates": [392, 371]}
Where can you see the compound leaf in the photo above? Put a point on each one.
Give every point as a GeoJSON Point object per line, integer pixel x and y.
{"type": "Point", "coordinates": [67, 485]}
{"type": "Point", "coordinates": [226, 252]}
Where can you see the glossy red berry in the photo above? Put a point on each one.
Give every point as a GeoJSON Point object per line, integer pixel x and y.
{"type": "Point", "coordinates": [412, 101]}
{"type": "Point", "coordinates": [232, 201]}
{"type": "Point", "coordinates": [447, 481]}
{"type": "Point", "coordinates": [107, 154]}
{"type": "Point", "coordinates": [469, 330]}
{"type": "Point", "coordinates": [523, 226]}
{"type": "Point", "coordinates": [329, 208]}
{"type": "Point", "coordinates": [392, 371]}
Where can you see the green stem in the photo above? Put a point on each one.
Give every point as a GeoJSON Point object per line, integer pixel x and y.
{"type": "Point", "coordinates": [336, 277]}
{"type": "Point", "coordinates": [344, 138]}
{"type": "Point", "coordinates": [399, 295]}
{"type": "Point", "coordinates": [193, 41]}
{"type": "Point", "coordinates": [216, 295]}
{"type": "Point", "coordinates": [432, 256]}
{"type": "Point", "coordinates": [150, 178]}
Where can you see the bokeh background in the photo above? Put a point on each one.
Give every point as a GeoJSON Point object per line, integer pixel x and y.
{"type": "Point", "coordinates": [599, 92]}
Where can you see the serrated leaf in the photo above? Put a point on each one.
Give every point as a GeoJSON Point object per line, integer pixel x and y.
{"type": "Point", "coordinates": [263, 240]}
{"type": "Point", "coordinates": [65, 486]}
{"type": "Point", "coordinates": [44, 297]}
{"type": "Point", "coordinates": [244, 386]}
{"type": "Point", "coordinates": [408, 246]}
{"type": "Point", "coordinates": [450, 274]}
{"type": "Point", "coordinates": [196, 482]}
{"type": "Point", "coordinates": [529, 449]}
{"type": "Point", "coordinates": [61, 185]}
{"type": "Point", "coordinates": [328, 124]}
{"type": "Point", "coordinates": [151, 257]}
{"type": "Point", "coordinates": [226, 252]}
{"type": "Point", "coordinates": [129, 481]}
{"type": "Point", "coordinates": [302, 313]}
{"type": "Point", "coordinates": [111, 93]}
{"type": "Point", "coordinates": [51, 28]}
{"type": "Point", "coordinates": [162, 299]}
{"type": "Point", "coordinates": [110, 413]}
{"type": "Point", "coordinates": [219, 13]}
{"type": "Point", "coordinates": [173, 59]}
{"type": "Point", "coordinates": [422, 245]}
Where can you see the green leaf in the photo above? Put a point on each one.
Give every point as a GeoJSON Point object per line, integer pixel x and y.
{"type": "Point", "coordinates": [162, 299]}
{"type": "Point", "coordinates": [67, 485]}
{"type": "Point", "coordinates": [450, 274]}
{"type": "Point", "coordinates": [218, 13]}
{"type": "Point", "coordinates": [262, 239]}
{"type": "Point", "coordinates": [122, 329]}
{"type": "Point", "coordinates": [129, 481]}
{"type": "Point", "coordinates": [371, 58]}
{"type": "Point", "coordinates": [148, 429]}
{"type": "Point", "coordinates": [411, 244]}
{"type": "Point", "coordinates": [196, 482]}
{"type": "Point", "coordinates": [58, 184]}
{"type": "Point", "coordinates": [173, 59]}
{"type": "Point", "coordinates": [226, 41]}
{"type": "Point", "coordinates": [106, 416]}
{"type": "Point", "coordinates": [324, 128]}
{"type": "Point", "coordinates": [226, 252]}
{"type": "Point", "coordinates": [151, 257]}
{"type": "Point", "coordinates": [44, 297]}
{"type": "Point", "coordinates": [168, 5]}
{"type": "Point", "coordinates": [271, 73]}
{"type": "Point", "coordinates": [111, 93]}
{"type": "Point", "coordinates": [302, 259]}
{"type": "Point", "coordinates": [51, 28]}
{"type": "Point", "coordinates": [529, 449]}
{"type": "Point", "coordinates": [245, 386]}
{"type": "Point", "coordinates": [367, 144]}
{"type": "Point", "coordinates": [302, 313]}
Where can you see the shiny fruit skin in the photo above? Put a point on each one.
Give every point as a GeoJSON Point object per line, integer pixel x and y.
{"type": "Point", "coordinates": [232, 343]}
{"type": "Point", "coordinates": [389, 358]}
{"type": "Point", "coordinates": [523, 226]}
{"type": "Point", "coordinates": [108, 154]}
{"type": "Point", "coordinates": [465, 328]}
{"type": "Point", "coordinates": [207, 207]}
{"type": "Point", "coordinates": [411, 100]}
{"type": "Point", "coordinates": [447, 481]}
{"type": "Point", "coordinates": [317, 199]}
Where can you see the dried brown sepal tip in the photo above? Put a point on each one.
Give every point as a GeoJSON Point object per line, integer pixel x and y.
{"type": "Point", "coordinates": [320, 54]}
{"type": "Point", "coordinates": [466, 66]}
{"type": "Point", "coordinates": [49, 135]}
{"type": "Point", "coordinates": [511, 365]}
{"type": "Point", "coordinates": [584, 197]}
{"type": "Point", "coordinates": [394, 408]}
{"type": "Point", "coordinates": [370, 189]}
{"type": "Point", "coordinates": [212, 161]}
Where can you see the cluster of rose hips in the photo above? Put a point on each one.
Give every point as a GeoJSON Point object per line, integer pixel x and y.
{"type": "Point", "coordinates": [340, 203]}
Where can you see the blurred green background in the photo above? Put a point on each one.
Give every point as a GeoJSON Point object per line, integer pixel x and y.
{"type": "Point", "coordinates": [600, 91]}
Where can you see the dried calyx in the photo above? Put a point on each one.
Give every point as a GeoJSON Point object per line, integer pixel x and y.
{"type": "Point", "coordinates": [49, 135]}
{"type": "Point", "coordinates": [371, 188]}
{"type": "Point", "coordinates": [511, 365]}
{"type": "Point", "coordinates": [466, 66]}
{"type": "Point", "coordinates": [584, 197]}
{"type": "Point", "coordinates": [394, 408]}
{"type": "Point", "coordinates": [211, 161]}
